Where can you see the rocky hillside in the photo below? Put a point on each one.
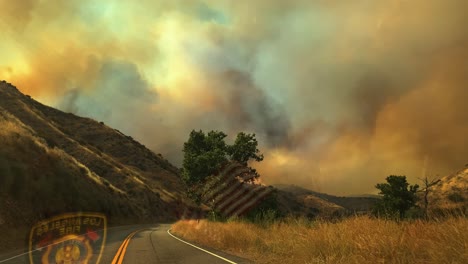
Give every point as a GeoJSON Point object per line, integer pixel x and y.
{"type": "Point", "coordinates": [53, 162]}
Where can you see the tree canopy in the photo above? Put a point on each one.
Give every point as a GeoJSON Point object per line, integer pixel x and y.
{"type": "Point", "coordinates": [398, 196]}
{"type": "Point", "coordinates": [204, 154]}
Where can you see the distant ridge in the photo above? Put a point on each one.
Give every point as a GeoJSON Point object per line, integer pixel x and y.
{"type": "Point", "coordinates": [306, 202]}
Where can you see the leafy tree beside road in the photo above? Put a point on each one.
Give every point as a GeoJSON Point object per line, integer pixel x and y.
{"type": "Point", "coordinates": [204, 154]}
{"type": "Point", "coordinates": [245, 149]}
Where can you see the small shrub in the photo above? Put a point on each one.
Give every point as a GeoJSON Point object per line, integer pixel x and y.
{"type": "Point", "coordinates": [456, 197]}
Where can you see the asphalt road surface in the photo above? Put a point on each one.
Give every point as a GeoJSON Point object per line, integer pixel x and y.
{"type": "Point", "coordinates": [147, 244]}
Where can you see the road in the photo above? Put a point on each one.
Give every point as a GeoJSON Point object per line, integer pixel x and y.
{"type": "Point", "coordinates": [147, 244]}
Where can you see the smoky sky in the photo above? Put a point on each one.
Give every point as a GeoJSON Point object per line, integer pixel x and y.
{"type": "Point", "coordinates": [119, 96]}
{"type": "Point", "coordinates": [340, 94]}
{"type": "Point", "coordinates": [249, 108]}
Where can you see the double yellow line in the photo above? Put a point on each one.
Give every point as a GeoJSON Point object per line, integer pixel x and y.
{"type": "Point", "coordinates": [118, 258]}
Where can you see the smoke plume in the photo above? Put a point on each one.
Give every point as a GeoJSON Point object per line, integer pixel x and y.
{"type": "Point", "coordinates": [340, 94]}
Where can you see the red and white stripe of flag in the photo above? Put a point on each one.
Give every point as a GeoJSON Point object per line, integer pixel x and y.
{"type": "Point", "coordinates": [231, 195]}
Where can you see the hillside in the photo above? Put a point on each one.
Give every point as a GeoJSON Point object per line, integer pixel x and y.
{"type": "Point", "coordinates": [451, 193]}
{"type": "Point", "coordinates": [53, 162]}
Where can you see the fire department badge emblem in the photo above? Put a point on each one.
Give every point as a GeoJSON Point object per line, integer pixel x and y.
{"type": "Point", "coordinates": [73, 238]}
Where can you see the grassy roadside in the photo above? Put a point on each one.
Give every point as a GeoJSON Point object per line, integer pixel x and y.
{"type": "Point", "coordinates": [353, 240]}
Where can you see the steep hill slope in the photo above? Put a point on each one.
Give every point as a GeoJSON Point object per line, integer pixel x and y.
{"type": "Point", "coordinates": [53, 162]}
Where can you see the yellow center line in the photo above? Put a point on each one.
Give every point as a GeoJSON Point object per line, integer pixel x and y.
{"type": "Point", "coordinates": [118, 258]}
{"type": "Point", "coordinates": [122, 255]}
{"type": "Point", "coordinates": [120, 249]}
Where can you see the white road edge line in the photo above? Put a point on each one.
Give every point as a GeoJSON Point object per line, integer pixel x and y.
{"type": "Point", "coordinates": [204, 250]}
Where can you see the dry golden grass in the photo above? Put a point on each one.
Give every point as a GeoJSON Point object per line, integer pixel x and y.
{"type": "Point", "coordinates": [353, 240]}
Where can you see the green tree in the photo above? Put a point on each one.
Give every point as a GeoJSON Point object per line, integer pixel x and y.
{"type": "Point", "coordinates": [245, 149]}
{"type": "Point", "coordinates": [203, 155]}
{"type": "Point", "coordinates": [398, 196]}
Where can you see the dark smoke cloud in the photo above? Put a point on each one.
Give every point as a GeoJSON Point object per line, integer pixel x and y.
{"type": "Point", "coordinates": [372, 92]}
{"type": "Point", "coordinates": [251, 109]}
